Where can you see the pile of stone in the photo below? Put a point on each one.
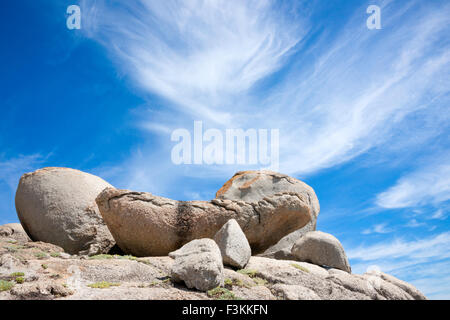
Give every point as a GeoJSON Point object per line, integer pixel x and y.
{"type": "Point", "coordinates": [259, 219]}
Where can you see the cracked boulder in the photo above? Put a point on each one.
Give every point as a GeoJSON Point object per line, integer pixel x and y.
{"type": "Point", "coordinates": [147, 225]}
{"type": "Point", "coordinates": [57, 206]}
{"type": "Point", "coordinates": [252, 186]}
{"type": "Point", "coordinates": [199, 265]}
{"type": "Point", "coordinates": [322, 249]}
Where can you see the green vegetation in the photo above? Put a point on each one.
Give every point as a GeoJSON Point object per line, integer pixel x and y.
{"type": "Point", "coordinates": [44, 266]}
{"type": "Point", "coordinates": [299, 267]}
{"type": "Point", "coordinates": [103, 285]}
{"type": "Point", "coordinates": [40, 255]}
{"type": "Point", "coordinates": [13, 248]}
{"type": "Point", "coordinates": [5, 285]}
{"type": "Point", "coordinates": [20, 280]}
{"type": "Point", "coordinates": [235, 282]}
{"type": "Point", "coordinates": [222, 294]}
{"type": "Point", "coordinates": [260, 281]}
{"type": "Point", "coordinates": [248, 272]}
{"type": "Point", "coordinates": [17, 274]}
{"type": "Point", "coordinates": [101, 257]}
{"type": "Point", "coordinates": [55, 254]}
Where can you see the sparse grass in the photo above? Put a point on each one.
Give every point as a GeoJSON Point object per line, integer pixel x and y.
{"type": "Point", "coordinates": [222, 294]}
{"type": "Point", "coordinates": [20, 280]}
{"type": "Point", "coordinates": [17, 274]}
{"type": "Point", "coordinates": [248, 272]}
{"type": "Point", "coordinates": [299, 267]}
{"type": "Point", "coordinates": [40, 255]}
{"type": "Point", "coordinates": [103, 285]}
{"type": "Point", "coordinates": [235, 282]}
{"type": "Point", "coordinates": [260, 281]}
{"type": "Point", "coordinates": [6, 285]}
{"type": "Point", "coordinates": [44, 266]}
{"type": "Point", "coordinates": [55, 254]}
{"type": "Point", "coordinates": [101, 257]}
{"type": "Point", "coordinates": [13, 248]}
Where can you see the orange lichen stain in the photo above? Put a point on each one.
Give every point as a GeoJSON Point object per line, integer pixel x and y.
{"type": "Point", "coordinates": [229, 183]}
{"type": "Point", "coordinates": [248, 183]}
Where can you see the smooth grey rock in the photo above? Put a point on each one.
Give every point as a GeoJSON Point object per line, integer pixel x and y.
{"type": "Point", "coordinates": [233, 245]}
{"type": "Point", "coordinates": [282, 249]}
{"type": "Point", "coordinates": [57, 205]}
{"type": "Point", "coordinates": [199, 264]}
{"type": "Point", "coordinates": [322, 249]}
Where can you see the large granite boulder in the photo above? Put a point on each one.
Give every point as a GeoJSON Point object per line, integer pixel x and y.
{"type": "Point", "coordinates": [57, 205]}
{"type": "Point", "coordinates": [322, 249]}
{"type": "Point", "coordinates": [146, 225]}
{"type": "Point", "coordinates": [198, 264]}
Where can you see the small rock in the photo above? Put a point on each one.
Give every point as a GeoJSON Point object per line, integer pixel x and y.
{"type": "Point", "coordinates": [233, 245]}
{"type": "Point", "coordinates": [14, 231]}
{"type": "Point", "coordinates": [322, 249]}
{"type": "Point", "coordinates": [198, 264]}
{"type": "Point", "coordinates": [64, 255]}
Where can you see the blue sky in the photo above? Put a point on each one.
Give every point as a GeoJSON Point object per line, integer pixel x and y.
{"type": "Point", "coordinates": [363, 114]}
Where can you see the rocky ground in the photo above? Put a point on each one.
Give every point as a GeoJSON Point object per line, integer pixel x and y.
{"type": "Point", "coordinates": [37, 270]}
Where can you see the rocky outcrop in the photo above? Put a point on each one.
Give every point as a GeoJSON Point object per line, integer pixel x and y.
{"type": "Point", "coordinates": [198, 264]}
{"type": "Point", "coordinates": [14, 231]}
{"type": "Point", "coordinates": [146, 225]}
{"type": "Point", "coordinates": [37, 271]}
{"type": "Point", "coordinates": [233, 245]}
{"type": "Point", "coordinates": [57, 205]}
{"type": "Point", "coordinates": [321, 249]}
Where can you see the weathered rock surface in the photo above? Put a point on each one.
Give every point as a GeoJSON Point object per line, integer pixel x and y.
{"type": "Point", "coordinates": [322, 249]}
{"type": "Point", "coordinates": [282, 249]}
{"type": "Point", "coordinates": [104, 277]}
{"type": "Point", "coordinates": [233, 245]}
{"type": "Point", "coordinates": [198, 264]}
{"type": "Point", "coordinates": [252, 186]}
{"type": "Point", "coordinates": [57, 205]}
{"type": "Point", "coordinates": [14, 231]}
{"type": "Point", "coordinates": [294, 292]}
{"type": "Point", "coordinates": [146, 225]}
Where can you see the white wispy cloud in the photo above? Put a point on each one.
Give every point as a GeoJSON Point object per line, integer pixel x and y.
{"type": "Point", "coordinates": [436, 246]}
{"type": "Point", "coordinates": [378, 228]}
{"type": "Point", "coordinates": [349, 91]}
{"type": "Point", "coordinates": [198, 54]}
{"type": "Point", "coordinates": [423, 262]}
{"type": "Point", "coordinates": [428, 185]}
